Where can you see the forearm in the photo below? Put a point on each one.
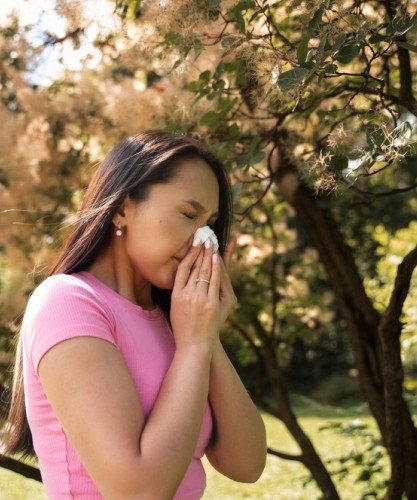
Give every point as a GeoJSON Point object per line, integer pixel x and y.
{"type": "Point", "coordinates": [171, 432]}
{"type": "Point", "coordinates": [239, 448]}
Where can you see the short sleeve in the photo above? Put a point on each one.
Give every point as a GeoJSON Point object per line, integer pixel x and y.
{"type": "Point", "coordinates": [60, 308]}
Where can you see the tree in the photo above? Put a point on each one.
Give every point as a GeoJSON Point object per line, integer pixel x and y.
{"type": "Point", "coordinates": [309, 102]}
{"type": "Point", "coordinates": [297, 82]}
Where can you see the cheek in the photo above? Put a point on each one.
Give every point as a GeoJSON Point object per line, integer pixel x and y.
{"type": "Point", "coordinates": [158, 240]}
{"type": "Point", "coordinates": [176, 231]}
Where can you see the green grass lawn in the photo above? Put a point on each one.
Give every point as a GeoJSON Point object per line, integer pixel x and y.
{"type": "Point", "coordinates": [281, 479]}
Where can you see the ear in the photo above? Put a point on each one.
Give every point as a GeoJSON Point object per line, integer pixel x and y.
{"type": "Point", "coordinates": [120, 215]}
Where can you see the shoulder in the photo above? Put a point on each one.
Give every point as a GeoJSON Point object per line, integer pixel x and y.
{"type": "Point", "coordinates": [64, 292]}
{"type": "Point", "coordinates": [58, 286]}
{"type": "Point", "coordinates": [60, 308]}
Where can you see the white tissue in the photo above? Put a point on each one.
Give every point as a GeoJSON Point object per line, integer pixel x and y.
{"type": "Point", "coordinates": [204, 233]}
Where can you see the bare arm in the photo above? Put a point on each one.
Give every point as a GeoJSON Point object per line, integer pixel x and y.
{"type": "Point", "coordinates": [239, 448]}
{"type": "Point", "coordinates": [126, 458]}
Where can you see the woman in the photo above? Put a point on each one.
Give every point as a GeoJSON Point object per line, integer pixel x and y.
{"type": "Point", "coordinates": [121, 383]}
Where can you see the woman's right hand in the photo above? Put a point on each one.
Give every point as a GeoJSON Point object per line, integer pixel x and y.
{"type": "Point", "coordinates": [195, 306]}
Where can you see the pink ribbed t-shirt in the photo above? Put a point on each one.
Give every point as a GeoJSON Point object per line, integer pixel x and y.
{"type": "Point", "coordinates": [71, 305]}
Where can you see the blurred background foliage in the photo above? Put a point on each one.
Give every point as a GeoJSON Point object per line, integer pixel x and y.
{"type": "Point", "coordinates": [321, 83]}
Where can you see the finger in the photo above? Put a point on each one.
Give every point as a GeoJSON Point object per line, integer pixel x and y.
{"type": "Point", "coordinates": [184, 267]}
{"type": "Point", "coordinates": [227, 254]}
{"type": "Point", "coordinates": [225, 282]}
{"type": "Point", "coordinates": [195, 271]}
{"type": "Point", "coordinates": [205, 270]}
{"type": "Point", "coordinates": [214, 287]}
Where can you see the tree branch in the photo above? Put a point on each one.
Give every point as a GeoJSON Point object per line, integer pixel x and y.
{"type": "Point", "coordinates": [53, 39]}
{"type": "Point", "coordinates": [247, 337]}
{"type": "Point", "coordinates": [406, 89]}
{"type": "Point", "coordinates": [389, 332]}
{"type": "Point", "coordinates": [401, 288]}
{"type": "Point", "coordinates": [285, 456]}
{"type": "Point", "coordinates": [20, 468]}
{"type": "Point", "coordinates": [373, 196]}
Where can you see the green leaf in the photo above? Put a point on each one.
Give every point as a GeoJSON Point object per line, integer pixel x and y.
{"type": "Point", "coordinates": [400, 25]}
{"type": "Point", "coordinates": [205, 76]}
{"type": "Point", "coordinates": [246, 160]}
{"type": "Point", "coordinates": [219, 84]}
{"type": "Point", "coordinates": [330, 68]}
{"type": "Point", "coordinates": [255, 15]}
{"type": "Point", "coordinates": [308, 65]}
{"type": "Point", "coordinates": [347, 53]}
{"type": "Point", "coordinates": [198, 47]}
{"type": "Point", "coordinates": [340, 40]}
{"type": "Point", "coordinates": [240, 6]}
{"type": "Point", "coordinates": [409, 149]}
{"type": "Point", "coordinates": [225, 105]}
{"type": "Point", "coordinates": [291, 78]}
{"type": "Point", "coordinates": [365, 160]}
{"type": "Point", "coordinates": [202, 82]}
{"type": "Point", "coordinates": [315, 22]}
{"type": "Point", "coordinates": [234, 130]}
{"type": "Point", "coordinates": [302, 49]}
{"type": "Point", "coordinates": [229, 40]}
{"type": "Point", "coordinates": [403, 131]}
{"type": "Point", "coordinates": [257, 157]}
{"type": "Point", "coordinates": [211, 119]}
{"type": "Point", "coordinates": [240, 23]}
{"type": "Point", "coordinates": [320, 49]}
{"type": "Point", "coordinates": [309, 79]}
{"type": "Point", "coordinates": [375, 135]}
{"type": "Point", "coordinates": [173, 38]}
{"type": "Point", "coordinates": [213, 4]}
{"type": "Point", "coordinates": [407, 46]}
{"type": "Point", "coordinates": [194, 86]}
{"type": "Point", "coordinates": [177, 63]}
{"type": "Point", "coordinates": [338, 162]}
{"type": "Point", "coordinates": [254, 144]}
{"type": "Point", "coordinates": [376, 38]}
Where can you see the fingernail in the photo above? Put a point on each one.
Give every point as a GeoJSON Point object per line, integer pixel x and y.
{"type": "Point", "coordinates": [207, 243]}
{"type": "Point", "coordinates": [215, 257]}
{"type": "Point", "coordinates": [196, 242]}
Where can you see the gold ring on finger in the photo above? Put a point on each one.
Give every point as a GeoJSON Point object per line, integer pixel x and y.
{"type": "Point", "coordinates": [202, 279]}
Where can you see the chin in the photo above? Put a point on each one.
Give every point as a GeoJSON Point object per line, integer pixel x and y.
{"type": "Point", "coordinates": [165, 286]}
{"type": "Point", "coordinates": [167, 283]}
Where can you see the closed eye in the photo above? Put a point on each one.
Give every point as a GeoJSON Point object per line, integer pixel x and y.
{"type": "Point", "coordinates": [210, 224]}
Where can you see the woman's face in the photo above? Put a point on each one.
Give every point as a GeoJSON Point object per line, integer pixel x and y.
{"type": "Point", "coordinates": [159, 232]}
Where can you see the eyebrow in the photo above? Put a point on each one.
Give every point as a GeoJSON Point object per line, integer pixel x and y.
{"type": "Point", "coordinates": [198, 206]}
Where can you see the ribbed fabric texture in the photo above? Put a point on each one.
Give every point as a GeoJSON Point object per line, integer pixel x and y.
{"type": "Point", "coordinates": [65, 306]}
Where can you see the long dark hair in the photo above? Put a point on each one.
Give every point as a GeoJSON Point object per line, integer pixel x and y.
{"type": "Point", "coordinates": [131, 168]}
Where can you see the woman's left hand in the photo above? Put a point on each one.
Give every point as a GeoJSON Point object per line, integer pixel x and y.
{"type": "Point", "coordinates": [228, 299]}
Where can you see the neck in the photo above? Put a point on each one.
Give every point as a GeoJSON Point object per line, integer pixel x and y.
{"type": "Point", "coordinates": [111, 268]}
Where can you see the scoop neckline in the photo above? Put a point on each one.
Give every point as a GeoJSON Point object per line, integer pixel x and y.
{"type": "Point", "coordinates": [155, 313]}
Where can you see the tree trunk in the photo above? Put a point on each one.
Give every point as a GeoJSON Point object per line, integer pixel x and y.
{"type": "Point", "coordinates": [309, 456]}
{"type": "Point", "coordinates": [267, 359]}
{"type": "Point", "coordinates": [362, 320]}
